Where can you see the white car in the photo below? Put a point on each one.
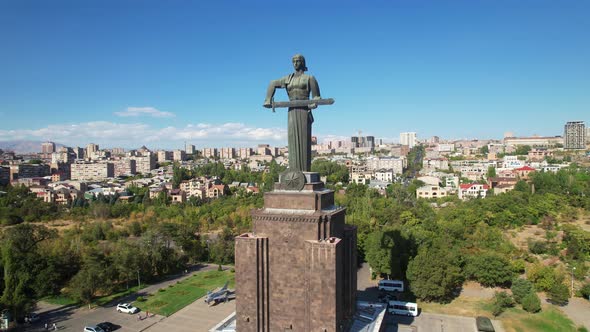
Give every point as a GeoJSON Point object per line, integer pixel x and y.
{"type": "Point", "coordinates": [93, 329]}
{"type": "Point", "coordinates": [127, 308]}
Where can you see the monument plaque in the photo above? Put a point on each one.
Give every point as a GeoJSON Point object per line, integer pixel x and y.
{"type": "Point", "coordinates": [296, 270]}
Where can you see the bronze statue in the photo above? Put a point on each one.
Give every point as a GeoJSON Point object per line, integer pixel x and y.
{"type": "Point", "coordinates": [298, 85]}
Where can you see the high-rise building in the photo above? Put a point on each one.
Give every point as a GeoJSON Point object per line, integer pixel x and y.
{"type": "Point", "coordinates": [408, 139]}
{"type": "Point", "coordinates": [91, 148]}
{"type": "Point", "coordinates": [228, 153]}
{"type": "Point", "coordinates": [47, 148]}
{"type": "Point", "coordinates": [588, 135]}
{"type": "Point", "coordinates": [178, 155]}
{"type": "Point", "coordinates": [362, 141]}
{"type": "Point", "coordinates": [189, 149]}
{"type": "Point", "coordinates": [209, 152]}
{"type": "Point", "coordinates": [574, 135]}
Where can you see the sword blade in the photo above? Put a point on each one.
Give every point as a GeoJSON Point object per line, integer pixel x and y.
{"type": "Point", "coordinates": [302, 103]}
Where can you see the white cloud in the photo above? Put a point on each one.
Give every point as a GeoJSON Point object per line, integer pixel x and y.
{"type": "Point", "coordinates": [144, 111]}
{"type": "Point", "coordinates": [136, 134]}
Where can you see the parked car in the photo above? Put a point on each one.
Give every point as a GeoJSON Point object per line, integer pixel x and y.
{"type": "Point", "coordinates": [93, 329]}
{"type": "Point", "coordinates": [31, 318]}
{"type": "Point", "coordinates": [484, 324]}
{"type": "Point", "coordinates": [127, 308]}
{"type": "Point", "coordinates": [108, 326]}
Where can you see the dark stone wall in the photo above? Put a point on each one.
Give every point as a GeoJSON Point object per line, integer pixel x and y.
{"type": "Point", "coordinates": [297, 270]}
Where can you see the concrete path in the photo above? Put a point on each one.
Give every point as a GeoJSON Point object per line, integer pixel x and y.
{"type": "Point", "coordinates": [196, 317]}
{"type": "Point", "coordinates": [577, 309]}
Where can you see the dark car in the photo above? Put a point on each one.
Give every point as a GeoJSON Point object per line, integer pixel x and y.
{"type": "Point", "coordinates": [108, 326]}
{"type": "Point", "coordinates": [484, 324]}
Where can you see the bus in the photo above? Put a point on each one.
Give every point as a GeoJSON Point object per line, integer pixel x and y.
{"type": "Point", "coordinates": [391, 285]}
{"type": "Point", "coordinates": [403, 308]}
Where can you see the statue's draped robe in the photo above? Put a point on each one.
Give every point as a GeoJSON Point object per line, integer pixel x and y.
{"type": "Point", "coordinates": [299, 86]}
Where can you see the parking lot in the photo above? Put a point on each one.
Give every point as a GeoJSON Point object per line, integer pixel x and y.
{"type": "Point", "coordinates": [198, 315]}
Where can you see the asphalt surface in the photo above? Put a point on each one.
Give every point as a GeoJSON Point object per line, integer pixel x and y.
{"type": "Point", "coordinates": [71, 318]}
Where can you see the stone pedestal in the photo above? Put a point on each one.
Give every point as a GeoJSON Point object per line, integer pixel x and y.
{"type": "Point", "coordinates": [296, 271]}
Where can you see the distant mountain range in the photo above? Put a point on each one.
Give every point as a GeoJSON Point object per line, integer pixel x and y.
{"type": "Point", "coordinates": [24, 146]}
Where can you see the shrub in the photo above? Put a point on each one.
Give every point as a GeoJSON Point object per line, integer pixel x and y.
{"type": "Point", "coordinates": [502, 300]}
{"type": "Point", "coordinates": [219, 268]}
{"type": "Point", "coordinates": [518, 266]}
{"type": "Point", "coordinates": [582, 329]}
{"type": "Point", "coordinates": [531, 302]}
{"type": "Point", "coordinates": [521, 288]}
{"type": "Point", "coordinates": [585, 291]}
{"type": "Point", "coordinates": [558, 294]}
{"type": "Point", "coordinates": [140, 299]}
{"type": "Point", "coordinates": [538, 247]}
{"type": "Point", "coordinates": [232, 270]}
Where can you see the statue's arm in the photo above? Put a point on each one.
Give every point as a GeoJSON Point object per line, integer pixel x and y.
{"type": "Point", "coordinates": [270, 91]}
{"type": "Point", "coordinates": [314, 87]}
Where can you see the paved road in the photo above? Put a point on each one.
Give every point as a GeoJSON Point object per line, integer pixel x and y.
{"type": "Point", "coordinates": [75, 318]}
{"type": "Point", "coordinates": [577, 309]}
{"type": "Point", "coordinates": [425, 322]}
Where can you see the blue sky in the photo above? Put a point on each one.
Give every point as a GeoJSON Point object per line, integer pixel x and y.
{"type": "Point", "coordinates": [127, 73]}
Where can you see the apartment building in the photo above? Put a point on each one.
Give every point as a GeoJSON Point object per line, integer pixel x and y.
{"type": "Point", "coordinates": [436, 163]}
{"type": "Point", "coordinates": [145, 162]}
{"type": "Point", "coordinates": [210, 153]}
{"type": "Point", "coordinates": [164, 156]}
{"type": "Point", "coordinates": [244, 153]}
{"type": "Point", "coordinates": [92, 171]}
{"type": "Point", "coordinates": [124, 166]}
{"type": "Point", "coordinates": [385, 175]}
{"type": "Point", "coordinates": [28, 171]}
{"type": "Point", "coordinates": [394, 163]}
{"type": "Point", "coordinates": [408, 139]}
{"type": "Point", "coordinates": [194, 187]}
{"type": "Point", "coordinates": [189, 149]}
{"type": "Point", "coordinates": [178, 155]}
{"type": "Point", "coordinates": [574, 135]}
{"type": "Point", "coordinates": [227, 153]}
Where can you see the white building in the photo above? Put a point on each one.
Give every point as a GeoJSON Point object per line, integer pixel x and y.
{"type": "Point", "coordinates": [408, 139]}
{"type": "Point", "coordinates": [512, 162]}
{"type": "Point", "coordinates": [394, 163]}
{"type": "Point", "coordinates": [431, 192]}
{"type": "Point", "coordinates": [473, 190]}
{"type": "Point", "coordinates": [384, 175]}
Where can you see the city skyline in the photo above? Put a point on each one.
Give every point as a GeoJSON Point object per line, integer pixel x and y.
{"type": "Point", "coordinates": [121, 75]}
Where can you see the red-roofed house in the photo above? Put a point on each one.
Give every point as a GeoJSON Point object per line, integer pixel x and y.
{"type": "Point", "coordinates": [472, 190]}
{"type": "Point", "coordinates": [216, 190]}
{"type": "Point", "coordinates": [524, 172]}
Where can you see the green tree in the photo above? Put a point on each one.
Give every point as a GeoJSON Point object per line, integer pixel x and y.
{"type": "Point", "coordinates": [378, 252]}
{"type": "Point", "coordinates": [521, 288]}
{"type": "Point", "coordinates": [20, 259]}
{"type": "Point", "coordinates": [531, 303]}
{"type": "Point", "coordinates": [502, 300]}
{"type": "Point", "coordinates": [489, 269]}
{"type": "Point", "coordinates": [435, 273]}
{"type": "Point", "coordinates": [491, 172]}
{"type": "Point", "coordinates": [558, 294]}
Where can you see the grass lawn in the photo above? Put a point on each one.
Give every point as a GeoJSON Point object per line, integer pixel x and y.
{"type": "Point", "coordinates": [548, 320]}
{"type": "Point", "coordinates": [66, 301]}
{"type": "Point", "coordinates": [514, 319]}
{"type": "Point", "coordinates": [175, 297]}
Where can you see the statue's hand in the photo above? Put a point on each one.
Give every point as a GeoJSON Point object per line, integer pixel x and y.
{"type": "Point", "coordinates": [312, 106]}
{"type": "Point", "coordinates": [267, 103]}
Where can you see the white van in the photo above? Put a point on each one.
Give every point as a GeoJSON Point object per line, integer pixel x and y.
{"type": "Point", "coordinates": [391, 285]}
{"type": "Point", "coordinates": [403, 308]}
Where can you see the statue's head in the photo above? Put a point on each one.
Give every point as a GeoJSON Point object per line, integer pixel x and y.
{"type": "Point", "coordinates": [299, 62]}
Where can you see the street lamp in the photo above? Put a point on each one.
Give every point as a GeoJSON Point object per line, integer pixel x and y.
{"type": "Point", "coordinates": [573, 269]}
